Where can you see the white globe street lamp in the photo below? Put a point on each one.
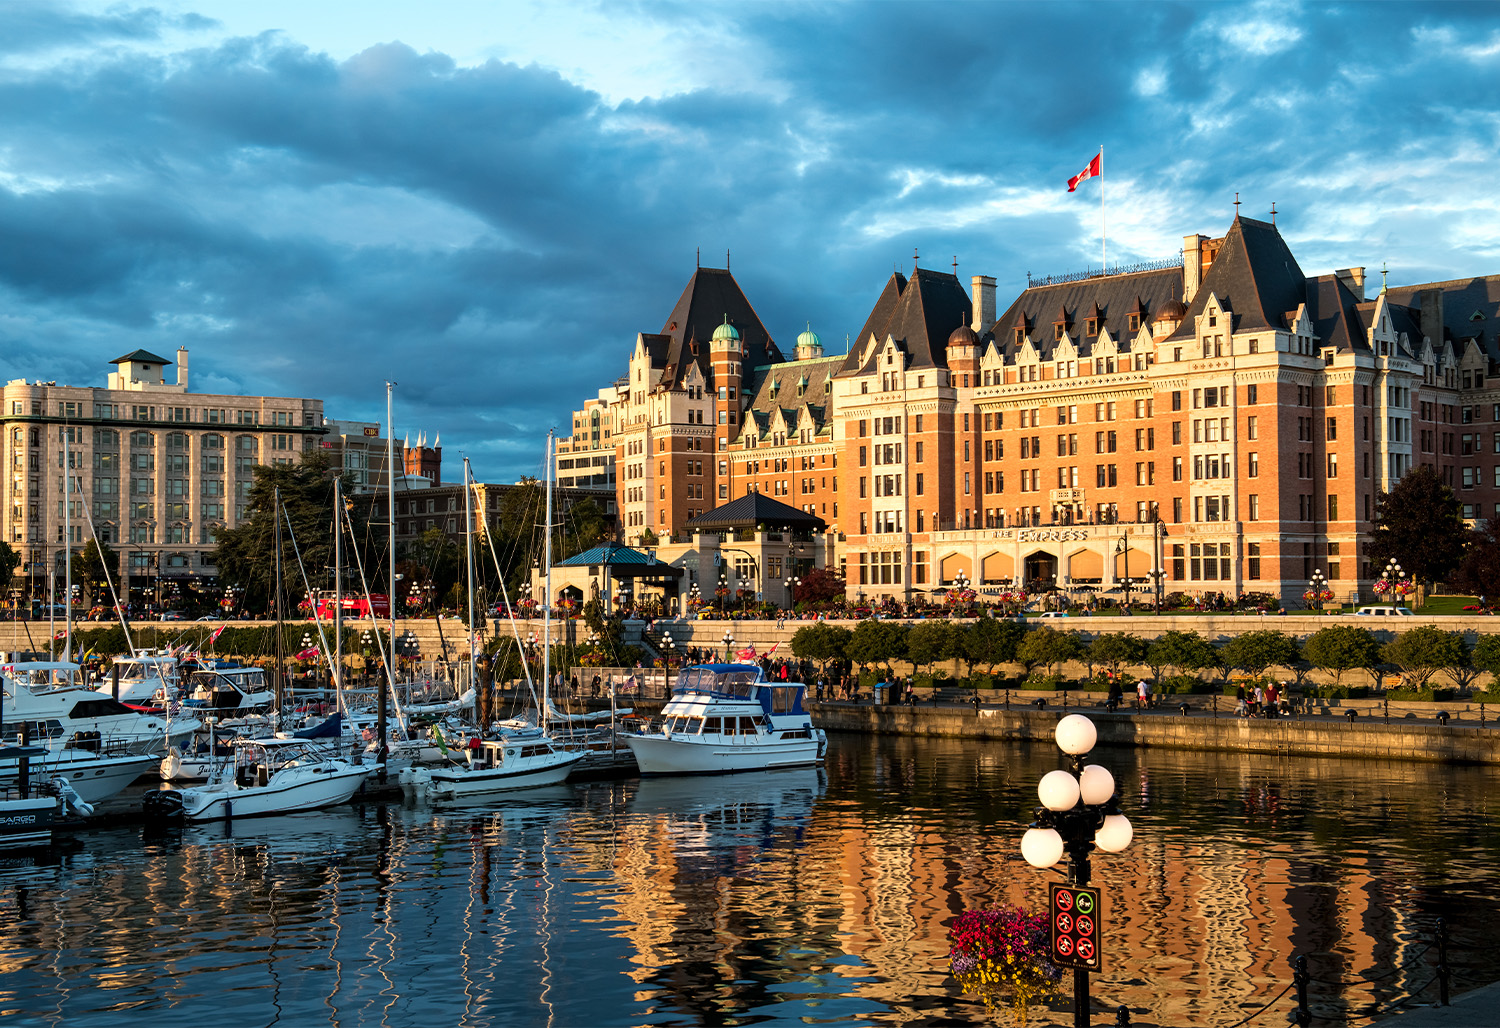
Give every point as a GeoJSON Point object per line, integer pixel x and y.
{"type": "Point", "coordinates": [1080, 811]}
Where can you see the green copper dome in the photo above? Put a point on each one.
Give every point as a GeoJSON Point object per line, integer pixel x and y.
{"type": "Point", "coordinates": [809, 338]}
{"type": "Point", "coordinates": [726, 331]}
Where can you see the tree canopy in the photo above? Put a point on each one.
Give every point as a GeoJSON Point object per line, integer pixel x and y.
{"type": "Point", "coordinates": [1048, 647]}
{"type": "Point", "coordinates": [1341, 648]}
{"type": "Point", "coordinates": [877, 642]}
{"type": "Point", "coordinates": [1421, 652]}
{"type": "Point", "coordinates": [1253, 652]}
{"type": "Point", "coordinates": [245, 555]}
{"type": "Point", "coordinates": [1418, 523]}
{"type": "Point", "coordinates": [932, 641]}
{"type": "Point", "coordinates": [821, 642]}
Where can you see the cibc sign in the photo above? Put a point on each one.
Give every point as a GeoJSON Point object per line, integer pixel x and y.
{"type": "Point", "coordinates": [1075, 927]}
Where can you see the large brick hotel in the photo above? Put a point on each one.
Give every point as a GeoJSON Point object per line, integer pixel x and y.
{"type": "Point", "coordinates": [1225, 419]}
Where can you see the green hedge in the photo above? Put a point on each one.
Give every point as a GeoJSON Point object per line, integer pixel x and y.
{"type": "Point", "coordinates": [1428, 695]}
{"type": "Point", "coordinates": [1043, 683]}
{"type": "Point", "coordinates": [1339, 692]}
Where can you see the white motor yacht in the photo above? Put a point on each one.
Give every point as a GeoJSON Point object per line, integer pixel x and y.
{"type": "Point", "coordinates": [267, 777]}
{"type": "Point", "coordinates": [226, 690]}
{"type": "Point", "coordinates": [61, 711]}
{"type": "Point", "coordinates": [517, 760]}
{"type": "Point", "coordinates": [729, 717]}
{"type": "Point", "coordinates": [145, 679]}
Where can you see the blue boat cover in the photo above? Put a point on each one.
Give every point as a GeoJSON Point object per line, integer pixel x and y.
{"type": "Point", "coordinates": [330, 729]}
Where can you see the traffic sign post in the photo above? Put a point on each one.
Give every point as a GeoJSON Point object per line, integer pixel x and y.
{"type": "Point", "coordinates": [1076, 912]}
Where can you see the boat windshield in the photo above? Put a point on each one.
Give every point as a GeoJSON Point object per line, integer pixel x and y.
{"type": "Point", "coordinates": [735, 683]}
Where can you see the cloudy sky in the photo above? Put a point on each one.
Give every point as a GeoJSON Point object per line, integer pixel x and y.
{"type": "Point", "coordinates": [486, 201]}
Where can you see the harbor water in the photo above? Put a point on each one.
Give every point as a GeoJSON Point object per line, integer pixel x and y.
{"type": "Point", "coordinates": [794, 897]}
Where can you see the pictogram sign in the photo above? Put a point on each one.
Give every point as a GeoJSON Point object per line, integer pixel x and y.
{"type": "Point", "coordinates": [1075, 926]}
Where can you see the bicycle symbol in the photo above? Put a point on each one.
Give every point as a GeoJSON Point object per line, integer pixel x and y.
{"type": "Point", "coordinates": [1085, 925]}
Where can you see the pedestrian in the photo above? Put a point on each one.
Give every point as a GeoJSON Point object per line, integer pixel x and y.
{"type": "Point", "coordinates": [1142, 694]}
{"type": "Point", "coordinates": [1239, 700]}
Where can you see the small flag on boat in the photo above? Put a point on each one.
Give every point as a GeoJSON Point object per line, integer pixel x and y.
{"type": "Point", "coordinates": [61, 635]}
{"type": "Point", "coordinates": [217, 632]}
{"type": "Point", "coordinates": [748, 653]}
{"type": "Point", "coordinates": [311, 653]}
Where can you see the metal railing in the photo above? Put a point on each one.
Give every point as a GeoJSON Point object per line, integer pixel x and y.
{"type": "Point", "coordinates": [1033, 281]}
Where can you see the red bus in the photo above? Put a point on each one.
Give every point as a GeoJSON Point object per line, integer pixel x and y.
{"type": "Point", "coordinates": [355, 608]}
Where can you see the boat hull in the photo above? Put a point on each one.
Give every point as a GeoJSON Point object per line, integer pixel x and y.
{"type": "Point", "coordinates": [665, 755]}
{"type": "Point", "coordinates": [26, 822]}
{"type": "Point", "coordinates": [292, 789]}
{"type": "Point", "coordinates": [458, 782]}
{"type": "Point", "coordinates": [93, 777]}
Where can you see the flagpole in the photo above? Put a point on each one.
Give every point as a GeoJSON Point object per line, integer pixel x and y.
{"type": "Point", "coordinates": [1103, 224]}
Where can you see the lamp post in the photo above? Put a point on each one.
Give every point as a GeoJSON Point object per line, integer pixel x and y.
{"type": "Point", "coordinates": [1393, 577]}
{"type": "Point", "coordinates": [1316, 586]}
{"type": "Point", "coordinates": [1080, 810]}
{"type": "Point", "coordinates": [728, 642]}
{"type": "Point", "coordinates": [1157, 575]}
{"type": "Point", "coordinates": [666, 640]}
{"type": "Point", "coordinates": [364, 646]}
{"type": "Point", "coordinates": [791, 591]}
{"type": "Point", "coordinates": [723, 593]}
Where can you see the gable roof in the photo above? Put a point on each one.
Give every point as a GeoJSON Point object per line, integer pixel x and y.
{"type": "Point", "coordinates": [919, 313]}
{"type": "Point", "coordinates": [1255, 276]}
{"type": "Point", "coordinates": [1116, 296]}
{"type": "Point", "coordinates": [711, 297]}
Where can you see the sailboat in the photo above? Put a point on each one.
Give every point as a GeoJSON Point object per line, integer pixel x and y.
{"type": "Point", "coordinates": [523, 756]}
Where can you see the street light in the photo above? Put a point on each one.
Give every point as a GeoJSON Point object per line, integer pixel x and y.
{"type": "Point", "coordinates": [723, 593]}
{"type": "Point", "coordinates": [1393, 578]}
{"type": "Point", "coordinates": [1157, 575]}
{"type": "Point", "coordinates": [1080, 810]}
{"type": "Point", "coordinates": [728, 642]}
{"type": "Point", "coordinates": [791, 591]}
{"type": "Point", "coordinates": [1315, 587]}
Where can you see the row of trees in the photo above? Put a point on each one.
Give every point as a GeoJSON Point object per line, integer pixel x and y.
{"type": "Point", "coordinates": [1418, 654]}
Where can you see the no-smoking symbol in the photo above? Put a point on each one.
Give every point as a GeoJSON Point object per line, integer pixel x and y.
{"type": "Point", "coordinates": [1064, 899]}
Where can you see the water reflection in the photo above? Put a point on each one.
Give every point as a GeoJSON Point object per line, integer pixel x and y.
{"type": "Point", "coordinates": [780, 898]}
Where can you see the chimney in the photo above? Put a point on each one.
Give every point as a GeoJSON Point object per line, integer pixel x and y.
{"type": "Point", "coordinates": [1192, 266]}
{"type": "Point", "coordinates": [1431, 302]}
{"type": "Point", "coordinates": [1354, 280]}
{"type": "Point", "coordinates": [182, 366]}
{"type": "Point", "coordinates": [984, 303]}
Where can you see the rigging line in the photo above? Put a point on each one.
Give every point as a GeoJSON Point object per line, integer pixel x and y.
{"type": "Point", "coordinates": [119, 608]}
{"type": "Point", "coordinates": [359, 562]}
{"type": "Point", "coordinates": [318, 619]}
{"type": "Point", "coordinates": [516, 631]}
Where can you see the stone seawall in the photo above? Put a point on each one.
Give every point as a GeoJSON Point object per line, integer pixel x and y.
{"type": "Point", "coordinates": [1313, 737]}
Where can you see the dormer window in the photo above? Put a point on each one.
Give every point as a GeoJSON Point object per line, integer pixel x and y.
{"type": "Point", "coordinates": [1057, 330]}
{"type": "Point", "coordinates": [1093, 326]}
{"type": "Point", "coordinates": [1020, 336]}
{"type": "Point", "coordinates": [1213, 318]}
{"type": "Point", "coordinates": [1134, 322]}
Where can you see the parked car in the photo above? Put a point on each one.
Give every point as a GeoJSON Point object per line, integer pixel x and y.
{"type": "Point", "coordinates": [1385, 612]}
{"type": "Point", "coordinates": [171, 615]}
{"type": "Point", "coordinates": [1053, 614]}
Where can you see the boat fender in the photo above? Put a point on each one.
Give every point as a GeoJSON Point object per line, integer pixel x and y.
{"type": "Point", "coordinates": [171, 765]}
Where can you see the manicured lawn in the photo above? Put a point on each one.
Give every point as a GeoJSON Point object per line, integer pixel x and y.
{"type": "Point", "coordinates": [1447, 605]}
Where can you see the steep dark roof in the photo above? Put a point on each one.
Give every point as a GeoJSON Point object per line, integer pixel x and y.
{"type": "Point", "coordinates": [1337, 315]}
{"type": "Point", "coordinates": [142, 356]}
{"type": "Point", "coordinates": [774, 388]}
{"type": "Point", "coordinates": [711, 295]}
{"type": "Point", "coordinates": [1117, 297]}
{"type": "Point", "coordinates": [920, 314]}
{"type": "Point", "coordinates": [1255, 276]}
{"type": "Point", "coordinates": [1462, 299]}
{"type": "Point", "coordinates": [756, 509]}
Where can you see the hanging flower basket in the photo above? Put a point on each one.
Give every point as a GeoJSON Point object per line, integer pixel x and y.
{"type": "Point", "coordinates": [1002, 953]}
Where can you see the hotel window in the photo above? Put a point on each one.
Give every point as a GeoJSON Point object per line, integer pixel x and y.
{"type": "Point", "coordinates": [1252, 427]}
{"type": "Point", "coordinates": [1177, 469]}
{"type": "Point", "coordinates": [1252, 561]}
{"type": "Point", "coordinates": [1254, 506]}
{"type": "Point", "coordinates": [1251, 392]}
{"type": "Point", "coordinates": [1333, 465]}
{"type": "Point", "coordinates": [1252, 465]}
{"type": "Point", "coordinates": [1333, 507]}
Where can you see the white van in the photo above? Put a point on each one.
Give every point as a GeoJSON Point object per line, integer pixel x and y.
{"type": "Point", "coordinates": [1385, 612]}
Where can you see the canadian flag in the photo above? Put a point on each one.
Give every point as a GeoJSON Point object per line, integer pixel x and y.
{"type": "Point", "coordinates": [1089, 171]}
{"type": "Point", "coordinates": [217, 632]}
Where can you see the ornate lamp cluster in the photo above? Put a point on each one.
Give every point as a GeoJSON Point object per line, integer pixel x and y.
{"type": "Point", "coordinates": [1080, 807]}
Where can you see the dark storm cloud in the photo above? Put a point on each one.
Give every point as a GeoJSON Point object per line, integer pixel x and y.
{"type": "Point", "coordinates": [492, 237]}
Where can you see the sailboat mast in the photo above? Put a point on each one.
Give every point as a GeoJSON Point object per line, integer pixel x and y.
{"type": "Point", "coordinates": [276, 588]}
{"type": "Point", "coordinates": [469, 556]}
{"type": "Point", "coordinates": [547, 595]}
{"type": "Point", "coordinates": [337, 670]}
{"type": "Point", "coordinates": [389, 683]}
{"type": "Point", "coordinates": [68, 535]}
